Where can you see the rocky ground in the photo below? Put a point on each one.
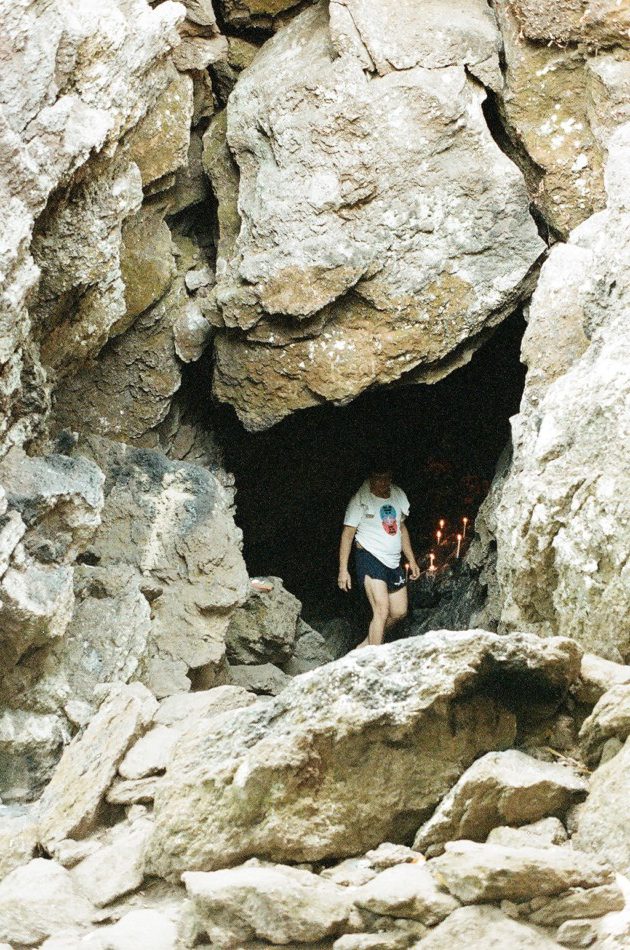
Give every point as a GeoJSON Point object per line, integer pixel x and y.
{"type": "Point", "coordinates": [279, 204]}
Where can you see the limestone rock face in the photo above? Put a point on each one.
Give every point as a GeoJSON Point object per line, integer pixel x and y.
{"type": "Point", "coordinates": [302, 777]}
{"type": "Point", "coordinates": [70, 804]}
{"type": "Point", "coordinates": [82, 93]}
{"type": "Point", "coordinates": [380, 228]}
{"type": "Point", "coordinates": [30, 746]}
{"type": "Point", "coordinates": [500, 788]}
{"type": "Point", "coordinates": [276, 903]}
{"type": "Point", "coordinates": [18, 837]}
{"type": "Point", "coordinates": [481, 873]}
{"type": "Point", "coordinates": [561, 101]}
{"type": "Point", "coordinates": [562, 519]}
{"type": "Point", "coordinates": [171, 523]}
{"type": "Point", "coordinates": [49, 509]}
{"type": "Point", "coordinates": [602, 825]}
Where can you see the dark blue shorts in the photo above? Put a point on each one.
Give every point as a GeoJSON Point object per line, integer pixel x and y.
{"type": "Point", "coordinates": [366, 565]}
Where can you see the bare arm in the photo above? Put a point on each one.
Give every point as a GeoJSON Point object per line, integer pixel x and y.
{"type": "Point", "coordinates": [345, 546]}
{"type": "Point", "coordinates": [408, 551]}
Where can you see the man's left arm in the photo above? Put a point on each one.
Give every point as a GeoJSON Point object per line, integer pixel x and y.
{"type": "Point", "coordinates": [408, 552]}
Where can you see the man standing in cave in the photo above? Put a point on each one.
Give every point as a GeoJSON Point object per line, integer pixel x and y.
{"type": "Point", "coordinates": [374, 520]}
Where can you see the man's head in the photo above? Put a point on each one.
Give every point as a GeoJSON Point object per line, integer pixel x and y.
{"type": "Point", "coordinates": [381, 474]}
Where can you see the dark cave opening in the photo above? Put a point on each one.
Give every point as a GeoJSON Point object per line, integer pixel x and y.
{"type": "Point", "coordinates": [294, 480]}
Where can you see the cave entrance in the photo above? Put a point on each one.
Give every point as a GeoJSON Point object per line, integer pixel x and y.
{"type": "Point", "coordinates": [293, 481]}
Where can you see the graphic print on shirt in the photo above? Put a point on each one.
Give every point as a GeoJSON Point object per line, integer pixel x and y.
{"type": "Point", "coordinates": [388, 519]}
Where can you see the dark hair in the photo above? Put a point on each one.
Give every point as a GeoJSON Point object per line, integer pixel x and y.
{"type": "Point", "coordinates": [378, 463]}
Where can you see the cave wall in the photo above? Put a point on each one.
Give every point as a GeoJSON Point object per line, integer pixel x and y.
{"type": "Point", "coordinates": [312, 200]}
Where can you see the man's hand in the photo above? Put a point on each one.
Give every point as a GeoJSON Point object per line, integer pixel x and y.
{"type": "Point", "coordinates": [344, 581]}
{"type": "Point", "coordinates": [415, 570]}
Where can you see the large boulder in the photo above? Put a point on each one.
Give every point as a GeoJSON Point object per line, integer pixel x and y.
{"type": "Point", "coordinates": [379, 227]}
{"type": "Point", "coordinates": [351, 754]}
{"type": "Point", "coordinates": [264, 629]}
{"type": "Point", "coordinates": [500, 788]}
{"type": "Point", "coordinates": [561, 518]}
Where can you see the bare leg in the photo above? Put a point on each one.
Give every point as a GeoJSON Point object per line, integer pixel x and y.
{"type": "Point", "coordinates": [376, 592]}
{"type": "Point", "coordinates": [397, 607]}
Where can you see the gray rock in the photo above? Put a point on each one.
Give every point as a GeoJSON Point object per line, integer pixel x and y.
{"type": "Point", "coordinates": [602, 825]}
{"type": "Point", "coordinates": [133, 791]}
{"type": "Point", "coordinates": [610, 719]}
{"type": "Point", "coordinates": [70, 803]}
{"type": "Point", "coordinates": [264, 629]}
{"type": "Point", "coordinates": [304, 776]}
{"type": "Point", "coordinates": [407, 890]}
{"type": "Point", "coordinates": [150, 754]}
{"type": "Point", "coordinates": [484, 928]}
{"type": "Point", "coordinates": [18, 838]}
{"type": "Point", "coordinates": [264, 679]}
{"type": "Point", "coordinates": [577, 902]}
{"type": "Point", "coordinates": [501, 788]}
{"type": "Point", "coordinates": [117, 867]}
{"type": "Point", "coordinates": [537, 835]}
{"type": "Point", "coordinates": [336, 250]}
{"type": "Point", "coordinates": [173, 524]}
{"type": "Point", "coordinates": [30, 747]}
{"type": "Point", "coordinates": [274, 903]}
{"type": "Point", "coordinates": [576, 933]}
{"type": "Point", "coordinates": [180, 709]}
{"type": "Point", "coordinates": [311, 650]}
{"type": "Point", "coordinates": [482, 873]}
{"type": "Point", "coordinates": [39, 899]}
{"type": "Point", "coordinates": [597, 676]}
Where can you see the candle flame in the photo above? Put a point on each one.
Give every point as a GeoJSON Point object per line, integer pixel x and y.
{"type": "Point", "coordinates": [459, 537]}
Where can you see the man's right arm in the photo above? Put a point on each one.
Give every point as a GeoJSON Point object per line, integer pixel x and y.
{"type": "Point", "coordinates": [345, 546]}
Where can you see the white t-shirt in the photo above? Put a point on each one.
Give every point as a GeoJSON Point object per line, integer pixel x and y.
{"type": "Point", "coordinates": [378, 522]}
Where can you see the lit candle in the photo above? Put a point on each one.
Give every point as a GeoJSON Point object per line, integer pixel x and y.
{"type": "Point", "coordinates": [442, 523]}
{"type": "Point", "coordinates": [465, 520]}
{"type": "Point", "coordinates": [438, 535]}
{"type": "Point", "coordinates": [407, 573]}
{"type": "Point", "coordinates": [459, 544]}
{"type": "Point", "coordinates": [431, 561]}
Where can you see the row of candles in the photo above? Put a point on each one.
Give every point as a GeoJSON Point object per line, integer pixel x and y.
{"type": "Point", "coordinates": [441, 538]}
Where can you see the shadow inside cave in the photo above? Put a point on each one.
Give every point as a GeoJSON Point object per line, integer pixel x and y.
{"type": "Point", "coordinates": [294, 480]}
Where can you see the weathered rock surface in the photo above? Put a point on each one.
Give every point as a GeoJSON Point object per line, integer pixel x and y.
{"type": "Point", "coordinates": [310, 651]}
{"type": "Point", "coordinates": [68, 92]}
{"type": "Point", "coordinates": [264, 629]}
{"type": "Point", "coordinates": [70, 804]}
{"type": "Point", "coordinates": [353, 872]}
{"type": "Point", "coordinates": [30, 746]}
{"type": "Point", "coordinates": [508, 788]}
{"type": "Point", "coordinates": [264, 679]}
{"type": "Point", "coordinates": [18, 838]}
{"type": "Point", "coordinates": [537, 835]}
{"type": "Point", "coordinates": [609, 719]}
{"type": "Point", "coordinates": [484, 928]}
{"type": "Point", "coordinates": [172, 524]}
{"type": "Point", "coordinates": [597, 676]}
{"type": "Point", "coordinates": [275, 903]}
{"type": "Point", "coordinates": [117, 867]}
{"type": "Point", "coordinates": [577, 902]}
{"type": "Point", "coordinates": [562, 521]}
{"type": "Point", "coordinates": [180, 709]}
{"type": "Point", "coordinates": [406, 890]}
{"type": "Point", "coordinates": [38, 899]}
{"type": "Point", "coordinates": [602, 825]}
{"type": "Point", "coordinates": [302, 777]}
{"type": "Point", "coordinates": [344, 270]}
{"type": "Point", "coordinates": [482, 873]}
{"type": "Point", "coordinates": [151, 753]}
